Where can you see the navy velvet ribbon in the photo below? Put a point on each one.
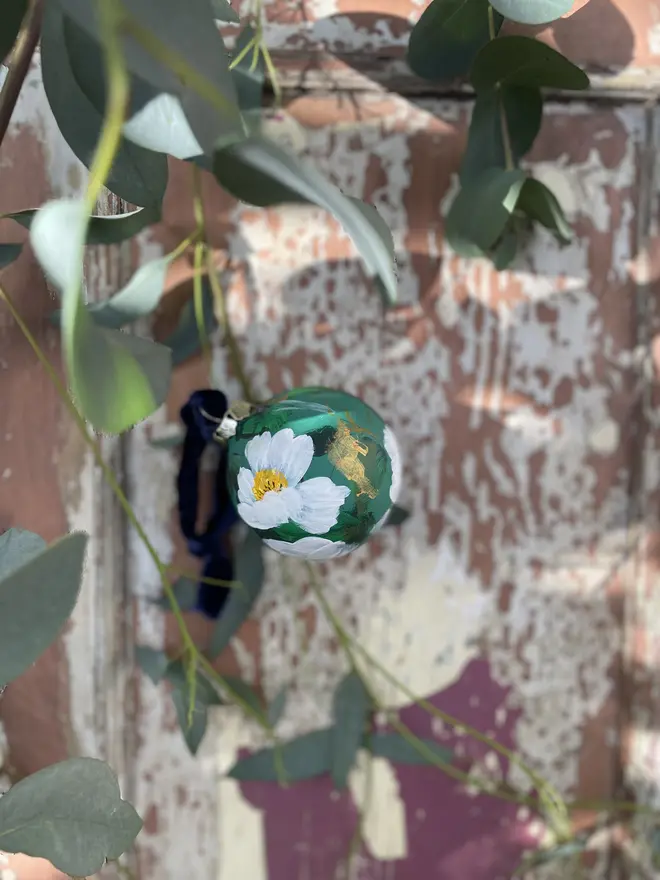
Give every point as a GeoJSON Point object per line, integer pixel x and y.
{"type": "Point", "coordinates": [211, 545]}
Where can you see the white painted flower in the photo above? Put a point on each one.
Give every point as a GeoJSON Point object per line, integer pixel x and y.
{"type": "Point", "coordinates": [270, 492]}
{"type": "Point", "coordinates": [311, 548]}
{"type": "Point", "coordinates": [392, 449]}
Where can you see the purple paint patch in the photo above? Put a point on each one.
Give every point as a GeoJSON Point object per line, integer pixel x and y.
{"type": "Point", "coordinates": [451, 835]}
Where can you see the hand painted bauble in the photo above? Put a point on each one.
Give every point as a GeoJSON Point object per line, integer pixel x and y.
{"type": "Point", "coordinates": [314, 472]}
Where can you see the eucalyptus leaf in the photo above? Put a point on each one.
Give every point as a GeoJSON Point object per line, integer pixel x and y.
{"type": "Point", "coordinates": [532, 11]}
{"type": "Point", "coordinates": [523, 61]}
{"type": "Point", "coordinates": [103, 229]}
{"type": "Point", "coordinates": [480, 212]}
{"type": "Point", "coordinates": [139, 176]}
{"type": "Point", "coordinates": [193, 722]}
{"type": "Point", "coordinates": [222, 11]}
{"type": "Point", "coordinates": [520, 109]}
{"type": "Point", "coordinates": [71, 814]}
{"type": "Point", "coordinates": [9, 253]}
{"type": "Point", "coordinates": [38, 592]}
{"type": "Point", "coordinates": [504, 252]}
{"type": "Point", "coordinates": [259, 172]}
{"type": "Point", "coordinates": [18, 546]}
{"type": "Point", "coordinates": [539, 203]}
{"type": "Point", "coordinates": [245, 692]}
{"type": "Point", "coordinates": [137, 299]}
{"type": "Point", "coordinates": [117, 379]}
{"type": "Point", "coordinates": [185, 592]}
{"type": "Point", "coordinates": [444, 42]}
{"type": "Point", "coordinates": [152, 662]}
{"type": "Point", "coordinates": [276, 707]}
{"type": "Point", "coordinates": [13, 12]}
{"type": "Point", "coordinates": [249, 73]}
{"type": "Point", "coordinates": [398, 750]}
{"type": "Point", "coordinates": [306, 757]}
{"type": "Point", "coordinates": [184, 341]}
{"type": "Point", "coordinates": [397, 516]}
{"type": "Point", "coordinates": [249, 570]}
{"type": "Point", "coordinates": [351, 713]}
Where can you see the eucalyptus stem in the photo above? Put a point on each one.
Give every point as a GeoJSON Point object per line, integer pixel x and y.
{"type": "Point", "coordinates": [19, 65]}
{"type": "Point", "coordinates": [198, 289]}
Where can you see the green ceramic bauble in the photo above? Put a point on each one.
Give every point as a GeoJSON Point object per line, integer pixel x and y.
{"type": "Point", "coordinates": [314, 471]}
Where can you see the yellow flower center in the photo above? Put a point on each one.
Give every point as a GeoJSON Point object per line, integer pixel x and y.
{"type": "Point", "coordinates": [268, 481]}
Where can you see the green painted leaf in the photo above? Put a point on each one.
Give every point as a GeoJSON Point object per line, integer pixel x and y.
{"type": "Point", "coordinates": [444, 42]}
{"type": "Point", "coordinates": [185, 591]}
{"type": "Point", "coordinates": [222, 11]}
{"type": "Point", "coordinates": [352, 705]}
{"type": "Point", "coordinates": [398, 750]}
{"type": "Point", "coordinates": [276, 708]}
{"type": "Point", "coordinates": [306, 757]}
{"type": "Point", "coordinates": [397, 516]}
{"type": "Point", "coordinates": [37, 597]}
{"type": "Point", "coordinates": [138, 176]}
{"type": "Point", "coordinates": [71, 814]}
{"type": "Point", "coordinates": [189, 32]}
{"type": "Point", "coordinates": [102, 229]}
{"type": "Point", "coordinates": [18, 546]}
{"type": "Point", "coordinates": [521, 108]}
{"type": "Point", "coordinates": [13, 12]}
{"type": "Point", "coordinates": [533, 11]}
{"type": "Point", "coordinates": [205, 695]}
{"type": "Point", "coordinates": [184, 340]}
{"type": "Point", "coordinates": [480, 212]}
{"type": "Point", "coordinates": [9, 253]}
{"type": "Point", "coordinates": [117, 379]}
{"type": "Point", "coordinates": [541, 204]}
{"type": "Point", "coordinates": [522, 61]}
{"type": "Point", "coordinates": [259, 172]}
{"type": "Point", "coordinates": [152, 662]}
{"type": "Point", "coordinates": [249, 74]}
{"type": "Point", "coordinates": [249, 570]}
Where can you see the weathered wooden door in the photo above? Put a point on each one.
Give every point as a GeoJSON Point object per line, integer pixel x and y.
{"type": "Point", "coordinates": [519, 596]}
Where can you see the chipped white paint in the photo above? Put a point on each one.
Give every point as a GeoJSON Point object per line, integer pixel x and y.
{"type": "Point", "coordinates": [375, 790]}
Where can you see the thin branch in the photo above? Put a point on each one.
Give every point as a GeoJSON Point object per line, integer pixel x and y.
{"type": "Point", "coordinates": [26, 43]}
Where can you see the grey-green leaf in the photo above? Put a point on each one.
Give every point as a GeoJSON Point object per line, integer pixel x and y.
{"type": "Point", "coordinates": [71, 814]}
{"type": "Point", "coordinates": [521, 109]}
{"type": "Point", "coordinates": [139, 176]}
{"type": "Point", "coordinates": [185, 591]}
{"type": "Point", "coordinates": [532, 11]}
{"type": "Point", "coordinates": [306, 757]}
{"type": "Point", "coordinates": [249, 570]}
{"type": "Point", "coordinates": [397, 516]}
{"type": "Point", "coordinates": [193, 728]}
{"type": "Point", "coordinates": [351, 713]}
{"type": "Point", "coordinates": [276, 708]}
{"type": "Point", "coordinates": [480, 212]}
{"type": "Point", "coordinates": [541, 204]}
{"type": "Point", "coordinates": [137, 299]}
{"type": "Point", "coordinates": [152, 662]}
{"type": "Point", "coordinates": [37, 597]}
{"type": "Point", "coordinates": [18, 546]}
{"type": "Point", "coordinates": [184, 341]}
{"type": "Point", "coordinates": [447, 37]}
{"type": "Point", "coordinates": [103, 229]}
{"type": "Point", "coordinates": [522, 61]}
{"type": "Point", "coordinates": [398, 750]}
{"type": "Point", "coordinates": [505, 250]}
{"type": "Point", "coordinates": [222, 11]}
{"type": "Point", "coordinates": [9, 253]}
{"type": "Point", "coordinates": [259, 172]}
{"type": "Point", "coordinates": [246, 693]}
{"type": "Point", "coordinates": [13, 12]}
{"type": "Point", "coordinates": [249, 73]}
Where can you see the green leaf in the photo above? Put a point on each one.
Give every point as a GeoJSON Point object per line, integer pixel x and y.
{"type": "Point", "coordinates": [184, 341]}
{"type": "Point", "coordinates": [259, 172]}
{"type": "Point", "coordinates": [117, 379]}
{"type": "Point", "coordinates": [521, 109]}
{"type": "Point", "coordinates": [71, 814]}
{"type": "Point", "coordinates": [397, 516]}
{"type": "Point", "coordinates": [9, 253]}
{"type": "Point", "coordinates": [102, 229]}
{"type": "Point", "coordinates": [249, 570]}
{"type": "Point", "coordinates": [137, 300]}
{"type": "Point", "coordinates": [447, 37]}
{"type": "Point", "coordinates": [152, 662]}
{"type": "Point", "coordinates": [249, 73]}
{"type": "Point", "coordinates": [533, 11]}
{"type": "Point", "coordinates": [540, 203]}
{"type": "Point", "coordinates": [13, 12]}
{"type": "Point", "coordinates": [306, 757]}
{"type": "Point", "coordinates": [276, 708]}
{"type": "Point", "coordinates": [138, 176]}
{"type": "Point", "coordinates": [222, 11]}
{"type": "Point", "coordinates": [37, 596]}
{"type": "Point", "coordinates": [185, 591]}
{"type": "Point", "coordinates": [188, 33]}
{"type": "Point", "coordinates": [481, 211]}
{"type": "Point", "coordinates": [194, 728]}
{"type": "Point", "coordinates": [522, 61]}
{"type": "Point", "coordinates": [504, 252]}
{"type": "Point", "coordinates": [398, 750]}
{"type": "Point", "coordinates": [18, 546]}
{"type": "Point", "coordinates": [241, 689]}
{"type": "Point", "coordinates": [352, 705]}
